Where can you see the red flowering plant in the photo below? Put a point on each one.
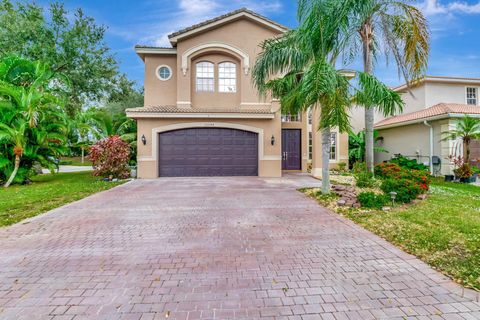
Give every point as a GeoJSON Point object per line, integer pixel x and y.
{"type": "Point", "coordinates": [110, 158]}
{"type": "Point", "coordinates": [419, 178]}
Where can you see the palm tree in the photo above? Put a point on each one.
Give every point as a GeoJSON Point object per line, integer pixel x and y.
{"type": "Point", "coordinates": [467, 129]}
{"type": "Point", "coordinates": [32, 121]}
{"type": "Point", "coordinates": [356, 145]}
{"type": "Point", "coordinates": [306, 57]}
{"type": "Point", "coordinates": [395, 28]}
{"type": "Point", "coordinates": [15, 136]}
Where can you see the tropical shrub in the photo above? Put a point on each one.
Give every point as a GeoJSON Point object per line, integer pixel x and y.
{"type": "Point", "coordinates": [110, 158]}
{"type": "Point", "coordinates": [406, 189]}
{"type": "Point", "coordinates": [359, 167]}
{"type": "Point", "coordinates": [372, 200]}
{"type": "Point", "coordinates": [342, 166]}
{"type": "Point", "coordinates": [404, 162]}
{"type": "Point", "coordinates": [464, 171]}
{"type": "Point", "coordinates": [32, 119]}
{"type": "Point", "coordinates": [419, 178]}
{"type": "Point", "coordinates": [364, 180]}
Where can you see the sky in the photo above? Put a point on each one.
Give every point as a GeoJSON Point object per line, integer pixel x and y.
{"type": "Point", "coordinates": [454, 25]}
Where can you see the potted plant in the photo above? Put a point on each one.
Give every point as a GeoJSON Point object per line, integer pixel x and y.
{"type": "Point", "coordinates": [457, 163]}
{"type": "Point", "coordinates": [465, 173]}
{"type": "Point", "coordinates": [476, 172]}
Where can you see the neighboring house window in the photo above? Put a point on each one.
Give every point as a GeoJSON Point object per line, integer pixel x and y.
{"type": "Point", "coordinates": [205, 81]}
{"type": "Point", "coordinates": [333, 147]}
{"type": "Point", "coordinates": [164, 73]}
{"type": "Point", "coordinates": [472, 95]}
{"type": "Point", "coordinates": [310, 115]}
{"type": "Point", "coordinates": [310, 145]}
{"type": "Point", "coordinates": [227, 77]}
{"type": "Point", "coordinates": [292, 117]}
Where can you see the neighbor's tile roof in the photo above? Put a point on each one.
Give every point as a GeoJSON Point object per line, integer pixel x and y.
{"type": "Point", "coordinates": [436, 110]}
{"type": "Point", "coordinates": [174, 109]}
{"type": "Point", "coordinates": [206, 22]}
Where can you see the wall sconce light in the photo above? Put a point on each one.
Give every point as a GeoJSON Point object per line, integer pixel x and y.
{"type": "Point", "coordinates": [144, 140]}
{"type": "Point", "coordinates": [272, 140]}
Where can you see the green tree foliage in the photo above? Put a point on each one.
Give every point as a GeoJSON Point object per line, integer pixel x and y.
{"type": "Point", "coordinates": [33, 124]}
{"type": "Point", "coordinates": [70, 43]}
{"type": "Point", "coordinates": [356, 146]}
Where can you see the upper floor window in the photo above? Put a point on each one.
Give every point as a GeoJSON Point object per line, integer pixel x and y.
{"type": "Point", "coordinates": [164, 72]}
{"type": "Point", "coordinates": [227, 77]}
{"type": "Point", "coordinates": [472, 95]}
{"type": "Point", "coordinates": [205, 80]}
{"type": "Point", "coordinates": [292, 117]}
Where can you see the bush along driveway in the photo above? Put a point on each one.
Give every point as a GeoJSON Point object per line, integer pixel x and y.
{"type": "Point", "coordinates": [47, 192]}
{"type": "Point", "coordinates": [443, 230]}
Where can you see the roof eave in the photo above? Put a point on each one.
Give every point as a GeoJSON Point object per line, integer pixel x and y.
{"type": "Point", "coordinates": [220, 115]}
{"type": "Point", "coordinates": [431, 118]}
{"type": "Point", "coordinates": [143, 51]}
{"type": "Point", "coordinates": [435, 79]}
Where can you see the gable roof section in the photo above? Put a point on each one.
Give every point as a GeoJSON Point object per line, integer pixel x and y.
{"type": "Point", "coordinates": [438, 111]}
{"type": "Point", "coordinates": [436, 79]}
{"type": "Point", "coordinates": [223, 19]}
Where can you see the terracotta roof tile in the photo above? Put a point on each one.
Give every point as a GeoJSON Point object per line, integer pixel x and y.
{"type": "Point", "coordinates": [174, 109]}
{"type": "Point", "coordinates": [229, 14]}
{"type": "Point", "coordinates": [436, 110]}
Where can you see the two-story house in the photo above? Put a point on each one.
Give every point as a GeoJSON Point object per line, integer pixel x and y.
{"type": "Point", "coordinates": [203, 116]}
{"type": "Point", "coordinates": [433, 105]}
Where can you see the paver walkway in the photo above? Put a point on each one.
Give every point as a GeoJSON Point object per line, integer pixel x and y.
{"type": "Point", "coordinates": [213, 248]}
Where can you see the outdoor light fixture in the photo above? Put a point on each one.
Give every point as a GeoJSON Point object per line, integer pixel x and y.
{"type": "Point", "coordinates": [393, 195]}
{"type": "Point", "coordinates": [272, 140]}
{"type": "Point", "coordinates": [144, 140]}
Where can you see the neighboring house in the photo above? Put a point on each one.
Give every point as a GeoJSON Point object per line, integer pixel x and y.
{"type": "Point", "coordinates": [433, 105]}
{"type": "Point", "coordinates": [203, 117]}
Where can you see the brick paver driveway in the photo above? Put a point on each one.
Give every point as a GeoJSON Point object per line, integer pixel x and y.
{"type": "Point", "coordinates": [213, 248]}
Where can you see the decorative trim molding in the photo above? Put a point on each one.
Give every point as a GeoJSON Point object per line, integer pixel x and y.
{"type": "Point", "coordinates": [189, 52]}
{"type": "Point", "coordinates": [226, 115]}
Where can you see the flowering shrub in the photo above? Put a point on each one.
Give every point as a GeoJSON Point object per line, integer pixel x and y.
{"type": "Point", "coordinates": [407, 183]}
{"type": "Point", "coordinates": [110, 158]}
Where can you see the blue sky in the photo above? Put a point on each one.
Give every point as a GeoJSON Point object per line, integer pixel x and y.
{"type": "Point", "coordinates": [454, 24]}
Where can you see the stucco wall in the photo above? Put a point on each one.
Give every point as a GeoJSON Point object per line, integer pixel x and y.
{"type": "Point", "coordinates": [446, 93]}
{"type": "Point", "coordinates": [269, 160]}
{"type": "Point", "coordinates": [157, 92]}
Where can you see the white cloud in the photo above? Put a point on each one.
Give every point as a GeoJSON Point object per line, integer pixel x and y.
{"type": "Point", "coordinates": [155, 26]}
{"type": "Point", "coordinates": [434, 7]}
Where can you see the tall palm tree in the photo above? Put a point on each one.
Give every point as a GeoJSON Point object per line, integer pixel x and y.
{"type": "Point", "coordinates": [306, 58]}
{"type": "Point", "coordinates": [393, 28]}
{"type": "Point", "coordinates": [467, 129]}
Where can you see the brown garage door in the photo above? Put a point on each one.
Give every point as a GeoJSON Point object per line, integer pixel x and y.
{"type": "Point", "coordinates": [208, 152]}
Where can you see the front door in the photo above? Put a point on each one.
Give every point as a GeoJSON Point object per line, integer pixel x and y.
{"type": "Point", "coordinates": [291, 149]}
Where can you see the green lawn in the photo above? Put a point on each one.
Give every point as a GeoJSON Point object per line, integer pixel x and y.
{"type": "Point", "coordinates": [443, 230]}
{"type": "Point", "coordinates": [75, 161]}
{"type": "Point", "coordinates": [47, 192]}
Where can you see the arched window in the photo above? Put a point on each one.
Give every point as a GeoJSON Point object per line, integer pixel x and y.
{"type": "Point", "coordinates": [227, 77]}
{"type": "Point", "coordinates": [205, 81]}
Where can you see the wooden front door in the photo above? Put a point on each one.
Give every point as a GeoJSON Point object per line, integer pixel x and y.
{"type": "Point", "coordinates": [291, 149]}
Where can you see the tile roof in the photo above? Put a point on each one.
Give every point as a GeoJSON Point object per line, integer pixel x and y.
{"type": "Point", "coordinates": [229, 14]}
{"type": "Point", "coordinates": [440, 109]}
{"type": "Point", "coordinates": [174, 109]}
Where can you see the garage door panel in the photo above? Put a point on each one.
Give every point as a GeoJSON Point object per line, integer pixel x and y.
{"type": "Point", "coordinates": [208, 152]}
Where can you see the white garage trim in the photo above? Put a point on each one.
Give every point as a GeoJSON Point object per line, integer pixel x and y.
{"type": "Point", "coordinates": [179, 126]}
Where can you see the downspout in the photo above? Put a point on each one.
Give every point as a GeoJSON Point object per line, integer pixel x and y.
{"type": "Point", "coordinates": [431, 145]}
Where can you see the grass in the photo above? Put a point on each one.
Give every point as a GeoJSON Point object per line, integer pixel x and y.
{"type": "Point", "coordinates": [443, 230]}
{"type": "Point", "coordinates": [47, 192]}
{"type": "Point", "coordinates": [75, 161]}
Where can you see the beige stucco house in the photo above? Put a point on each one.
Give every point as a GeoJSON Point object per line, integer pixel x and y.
{"type": "Point", "coordinates": [203, 117]}
{"type": "Point", "coordinates": [432, 106]}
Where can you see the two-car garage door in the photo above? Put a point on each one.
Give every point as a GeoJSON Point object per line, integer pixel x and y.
{"type": "Point", "coordinates": [208, 152]}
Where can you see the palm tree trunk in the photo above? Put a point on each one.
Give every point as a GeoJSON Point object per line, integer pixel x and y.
{"type": "Point", "coordinates": [14, 173]}
{"type": "Point", "coordinates": [366, 34]}
{"type": "Point", "coordinates": [83, 155]}
{"type": "Point", "coordinates": [466, 145]}
{"type": "Point", "coordinates": [326, 146]}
